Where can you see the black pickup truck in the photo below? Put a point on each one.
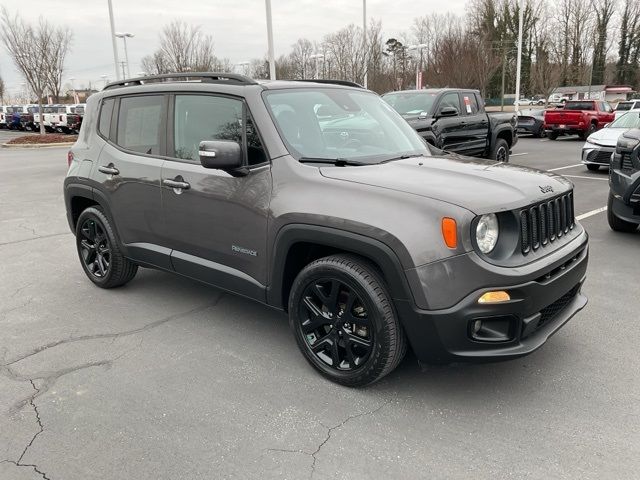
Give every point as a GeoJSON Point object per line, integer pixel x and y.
{"type": "Point", "coordinates": [454, 119]}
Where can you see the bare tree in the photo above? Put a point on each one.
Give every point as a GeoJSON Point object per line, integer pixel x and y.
{"type": "Point", "coordinates": [604, 10]}
{"type": "Point", "coordinates": [60, 42]}
{"type": "Point", "coordinates": [629, 43]}
{"type": "Point", "coordinates": [35, 51]}
{"type": "Point", "coordinates": [301, 58]}
{"type": "Point", "coordinates": [2, 88]}
{"type": "Point", "coordinates": [183, 48]}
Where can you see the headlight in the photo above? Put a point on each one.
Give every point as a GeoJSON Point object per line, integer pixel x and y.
{"type": "Point", "coordinates": [591, 141]}
{"type": "Point", "coordinates": [487, 232]}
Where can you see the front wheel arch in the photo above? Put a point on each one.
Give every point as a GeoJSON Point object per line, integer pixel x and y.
{"type": "Point", "coordinates": [296, 245]}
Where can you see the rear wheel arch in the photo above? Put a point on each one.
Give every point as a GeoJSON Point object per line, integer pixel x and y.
{"type": "Point", "coordinates": [298, 245]}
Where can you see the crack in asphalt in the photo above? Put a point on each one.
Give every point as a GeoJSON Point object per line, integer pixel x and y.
{"type": "Point", "coordinates": [37, 237]}
{"type": "Point", "coordinates": [330, 430]}
{"type": "Point", "coordinates": [116, 335]}
{"type": "Point", "coordinates": [18, 463]}
{"type": "Point", "coordinates": [49, 378]}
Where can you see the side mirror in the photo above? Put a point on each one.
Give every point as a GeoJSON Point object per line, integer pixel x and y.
{"type": "Point", "coordinates": [222, 155]}
{"type": "Point", "coordinates": [448, 112]}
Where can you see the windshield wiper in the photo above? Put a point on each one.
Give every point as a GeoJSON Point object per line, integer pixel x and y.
{"type": "Point", "coordinates": [404, 157]}
{"type": "Point", "coordinates": [339, 162]}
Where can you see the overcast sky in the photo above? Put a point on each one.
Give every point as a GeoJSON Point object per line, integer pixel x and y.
{"type": "Point", "coordinates": [238, 26]}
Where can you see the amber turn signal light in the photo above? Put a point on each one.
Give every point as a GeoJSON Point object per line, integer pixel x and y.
{"type": "Point", "coordinates": [450, 232]}
{"type": "Point", "coordinates": [497, 296]}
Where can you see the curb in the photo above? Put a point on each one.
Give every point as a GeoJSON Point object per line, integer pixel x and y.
{"type": "Point", "coordinates": [36, 145]}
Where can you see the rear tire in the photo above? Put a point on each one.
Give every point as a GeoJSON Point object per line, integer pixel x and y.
{"type": "Point", "coordinates": [343, 320]}
{"type": "Point", "coordinates": [592, 128]}
{"type": "Point", "coordinates": [500, 151]}
{"type": "Point", "coordinates": [552, 135]}
{"type": "Point", "coordinates": [616, 223]}
{"type": "Point", "coordinates": [593, 168]}
{"type": "Point", "coordinates": [99, 251]}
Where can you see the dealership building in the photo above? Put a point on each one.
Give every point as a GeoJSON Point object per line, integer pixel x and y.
{"type": "Point", "coordinates": [609, 93]}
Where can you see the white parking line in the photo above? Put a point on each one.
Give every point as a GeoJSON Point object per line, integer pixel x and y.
{"type": "Point", "coordinates": [591, 213]}
{"type": "Point", "coordinates": [588, 178]}
{"type": "Point", "coordinates": [518, 154]}
{"type": "Point", "coordinates": [563, 168]}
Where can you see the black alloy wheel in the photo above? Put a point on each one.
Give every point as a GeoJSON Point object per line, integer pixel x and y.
{"type": "Point", "coordinates": [99, 250]}
{"type": "Point", "coordinates": [344, 321]}
{"type": "Point", "coordinates": [335, 324]}
{"type": "Point", "coordinates": [95, 250]}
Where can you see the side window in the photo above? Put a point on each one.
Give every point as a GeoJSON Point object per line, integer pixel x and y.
{"type": "Point", "coordinates": [204, 117]}
{"type": "Point", "coordinates": [450, 99]}
{"type": "Point", "coordinates": [104, 121]}
{"type": "Point", "coordinates": [469, 103]}
{"type": "Point", "coordinates": [139, 123]}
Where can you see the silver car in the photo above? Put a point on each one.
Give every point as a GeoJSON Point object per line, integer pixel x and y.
{"type": "Point", "coordinates": [601, 145]}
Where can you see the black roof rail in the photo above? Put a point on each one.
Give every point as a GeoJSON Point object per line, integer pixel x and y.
{"type": "Point", "coordinates": [344, 83]}
{"type": "Point", "coordinates": [203, 77]}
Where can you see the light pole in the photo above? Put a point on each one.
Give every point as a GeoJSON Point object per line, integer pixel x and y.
{"type": "Point", "coordinates": [317, 56]}
{"type": "Point", "coordinates": [272, 61]}
{"type": "Point", "coordinates": [124, 36]}
{"type": "Point", "coordinates": [113, 40]}
{"type": "Point", "coordinates": [364, 40]}
{"type": "Point", "coordinates": [105, 79]}
{"type": "Point", "coordinates": [519, 62]}
{"type": "Point", "coordinates": [73, 89]}
{"type": "Point", "coordinates": [418, 48]}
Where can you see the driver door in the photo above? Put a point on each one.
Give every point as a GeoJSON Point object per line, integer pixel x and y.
{"type": "Point", "coordinates": [449, 130]}
{"type": "Point", "coordinates": [217, 225]}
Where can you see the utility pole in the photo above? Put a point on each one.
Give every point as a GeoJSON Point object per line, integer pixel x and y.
{"type": "Point", "coordinates": [504, 63]}
{"type": "Point", "coordinates": [364, 39]}
{"type": "Point", "coordinates": [272, 61]}
{"type": "Point", "coordinates": [113, 41]}
{"type": "Point", "coordinates": [519, 62]}
{"type": "Point", "coordinates": [123, 64]}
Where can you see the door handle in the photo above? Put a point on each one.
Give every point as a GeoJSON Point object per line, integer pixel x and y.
{"type": "Point", "coordinates": [178, 184]}
{"type": "Point", "coordinates": [109, 169]}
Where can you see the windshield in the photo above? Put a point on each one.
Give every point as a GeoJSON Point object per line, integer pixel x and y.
{"type": "Point", "coordinates": [624, 106]}
{"type": "Point", "coordinates": [349, 125]}
{"type": "Point", "coordinates": [628, 120]}
{"type": "Point", "coordinates": [579, 106]}
{"type": "Point", "coordinates": [411, 103]}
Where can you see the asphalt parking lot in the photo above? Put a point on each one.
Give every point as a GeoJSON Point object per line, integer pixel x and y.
{"type": "Point", "coordinates": [166, 378]}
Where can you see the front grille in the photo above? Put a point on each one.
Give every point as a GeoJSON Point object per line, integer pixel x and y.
{"type": "Point", "coordinates": [600, 156]}
{"type": "Point", "coordinates": [545, 222]}
{"type": "Point", "coordinates": [549, 313]}
{"type": "Point", "coordinates": [625, 161]}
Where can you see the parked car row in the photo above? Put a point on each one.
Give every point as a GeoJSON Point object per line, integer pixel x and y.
{"type": "Point", "coordinates": [56, 118]}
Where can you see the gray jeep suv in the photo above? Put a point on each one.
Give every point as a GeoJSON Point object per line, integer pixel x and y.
{"type": "Point", "coordinates": [318, 199]}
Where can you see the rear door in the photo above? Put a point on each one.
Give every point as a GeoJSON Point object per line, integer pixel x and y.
{"type": "Point", "coordinates": [450, 131]}
{"type": "Point", "coordinates": [476, 124]}
{"type": "Point", "coordinates": [217, 225]}
{"type": "Point", "coordinates": [128, 172]}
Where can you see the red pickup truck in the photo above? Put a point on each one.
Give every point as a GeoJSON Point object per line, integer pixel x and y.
{"type": "Point", "coordinates": [582, 117]}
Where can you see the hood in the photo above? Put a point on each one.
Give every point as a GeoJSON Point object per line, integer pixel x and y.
{"type": "Point", "coordinates": [477, 185]}
{"type": "Point", "coordinates": [607, 137]}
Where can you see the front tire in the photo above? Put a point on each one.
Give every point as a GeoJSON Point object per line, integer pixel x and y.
{"type": "Point", "coordinates": [592, 128]}
{"type": "Point", "coordinates": [344, 322]}
{"type": "Point", "coordinates": [500, 151]}
{"type": "Point", "coordinates": [99, 251]}
{"type": "Point", "coordinates": [616, 223]}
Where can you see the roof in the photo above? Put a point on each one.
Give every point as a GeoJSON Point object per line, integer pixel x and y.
{"type": "Point", "coordinates": [433, 90]}
{"type": "Point", "coordinates": [593, 88]}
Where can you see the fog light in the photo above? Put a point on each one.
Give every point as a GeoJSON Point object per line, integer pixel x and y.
{"type": "Point", "coordinates": [477, 325]}
{"type": "Point", "coordinates": [497, 296]}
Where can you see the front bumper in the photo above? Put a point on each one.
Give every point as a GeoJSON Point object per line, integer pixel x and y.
{"type": "Point", "coordinates": [625, 192]}
{"type": "Point", "coordinates": [597, 154]}
{"type": "Point", "coordinates": [538, 308]}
